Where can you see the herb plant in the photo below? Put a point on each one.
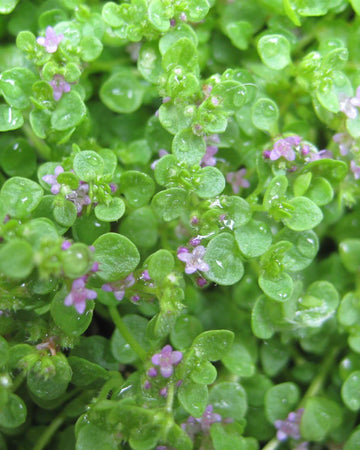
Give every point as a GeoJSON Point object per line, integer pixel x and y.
{"type": "Point", "coordinates": [179, 224]}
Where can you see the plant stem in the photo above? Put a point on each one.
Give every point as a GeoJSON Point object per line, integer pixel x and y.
{"type": "Point", "coordinates": [44, 151]}
{"type": "Point", "coordinates": [45, 438]}
{"type": "Point", "coordinates": [314, 388]}
{"type": "Point", "coordinates": [18, 380]}
{"type": "Point", "coordinates": [125, 333]}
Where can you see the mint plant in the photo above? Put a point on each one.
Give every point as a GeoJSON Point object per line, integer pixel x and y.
{"type": "Point", "coordinates": [179, 224]}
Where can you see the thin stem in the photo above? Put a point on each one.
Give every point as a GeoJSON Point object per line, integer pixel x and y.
{"type": "Point", "coordinates": [314, 388]}
{"type": "Point", "coordinates": [18, 380]}
{"type": "Point", "coordinates": [45, 438]}
{"type": "Point", "coordinates": [170, 397]}
{"type": "Point", "coordinates": [125, 333]}
{"type": "Point", "coordinates": [44, 151]}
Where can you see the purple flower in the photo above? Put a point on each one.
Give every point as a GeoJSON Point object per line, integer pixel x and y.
{"type": "Point", "coordinates": [346, 143]}
{"type": "Point", "coordinates": [66, 245]}
{"type": "Point", "coordinates": [152, 372]}
{"type": "Point", "coordinates": [119, 287]}
{"type": "Point", "coordinates": [194, 260]}
{"type": "Point", "coordinates": [322, 154]}
{"type": "Point", "coordinates": [208, 158]}
{"type": "Point", "coordinates": [355, 169]}
{"type": "Point", "coordinates": [145, 276]}
{"type": "Point", "coordinates": [166, 359]}
{"type": "Point", "coordinates": [194, 425]}
{"type": "Point", "coordinates": [59, 86]}
{"type": "Point", "coordinates": [78, 295]}
{"type": "Point", "coordinates": [236, 179]}
{"type": "Point", "coordinates": [80, 197]}
{"type": "Point", "coordinates": [349, 105]}
{"type": "Point", "coordinates": [285, 148]}
{"type": "Point", "coordinates": [163, 392]}
{"type": "Point", "coordinates": [201, 282]}
{"type": "Point", "coordinates": [52, 180]}
{"type": "Point", "coordinates": [147, 384]}
{"type": "Point", "coordinates": [290, 427]}
{"type": "Point", "coordinates": [51, 40]}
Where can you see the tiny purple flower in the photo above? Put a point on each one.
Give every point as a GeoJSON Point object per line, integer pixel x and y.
{"type": "Point", "coordinates": [236, 179]}
{"type": "Point", "coordinates": [78, 295]}
{"type": "Point", "coordinates": [355, 169]}
{"type": "Point", "coordinates": [194, 220]}
{"type": "Point", "coordinates": [290, 427]}
{"type": "Point", "coordinates": [346, 143]}
{"type": "Point", "coordinates": [349, 105]}
{"type": "Point", "coordinates": [60, 86]}
{"type": "Point", "coordinates": [208, 158]}
{"type": "Point", "coordinates": [145, 276]}
{"type": "Point", "coordinates": [66, 245]}
{"type": "Point", "coordinates": [166, 359]}
{"type": "Point", "coordinates": [135, 298]}
{"type": "Point", "coordinates": [95, 267]}
{"type": "Point", "coordinates": [195, 241]}
{"type": "Point", "coordinates": [201, 282]}
{"type": "Point", "coordinates": [285, 148]}
{"type": "Point", "coordinates": [52, 180]}
{"type": "Point", "coordinates": [80, 197]}
{"type": "Point", "coordinates": [163, 392]}
{"type": "Point", "coordinates": [208, 418]}
{"type": "Point", "coordinates": [51, 40]}
{"type": "Point", "coordinates": [322, 154]}
{"type": "Point", "coordinates": [194, 260]}
{"type": "Point", "coordinates": [152, 372]}
{"type": "Point", "coordinates": [119, 287]}
{"type": "Point", "coordinates": [113, 187]}
{"type": "Point", "coordinates": [147, 384]}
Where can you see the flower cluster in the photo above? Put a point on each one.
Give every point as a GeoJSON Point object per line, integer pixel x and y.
{"type": "Point", "coordinates": [290, 427]}
{"type": "Point", "coordinates": [195, 425]}
{"type": "Point", "coordinates": [193, 260]}
{"type": "Point", "coordinates": [79, 294]}
{"type": "Point", "coordinates": [237, 180]}
{"type": "Point", "coordinates": [349, 105]}
{"type": "Point", "coordinates": [167, 359]}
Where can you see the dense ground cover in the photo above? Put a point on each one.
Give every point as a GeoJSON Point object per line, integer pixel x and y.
{"type": "Point", "coordinates": [179, 224]}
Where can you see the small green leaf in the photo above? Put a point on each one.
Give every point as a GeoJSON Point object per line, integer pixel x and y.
{"type": "Point", "coordinates": [16, 259]}
{"type": "Point", "coordinates": [69, 112]}
{"type": "Point", "coordinates": [280, 400]}
{"type": "Point", "coordinates": [91, 48]}
{"type": "Point", "coordinates": [10, 118]}
{"type": "Point", "coordinates": [254, 238]}
{"type": "Point", "coordinates": [149, 62]}
{"type": "Point", "coordinates": [140, 226]}
{"type": "Point", "coordinates": [211, 182]}
{"type": "Point", "coordinates": [185, 330]}
{"type": "Point", "coordinates": [274, 50]}
{"type": "Point", "coordinates": [158, 16]}
{"type": "Point", "coordinates": [229, 400]}
{"type": "Point", "coordinates": [224, 260]}
{"type": "Point", "coordinates": [120, 349]}
{"type": "Point", "coordinates": [65, 212]}
{"type": "Point", "coordinates": [13, 414]}
{"type": "Point", "coordinates": [160, 264]}
{"type": "Point", "coordinates": [117, 256]}
{"type": "Point", "coordinates": [193, 397]}
{"type": "Point", "coordinates": [239, 361]}
{"type": "Point", "coordinates": [77, 260]}
{"type": "Point", "coordinates": [88, 165]}
{"type": "Point", "coordinates": [204, 373]}
{"type": "Point", "coordinates": [320, 417]}
{"type": "Point", "coordinates": [15, 85]}
{"type": "Point", "coordinates": [265, 114]}
{"type": "Point", "coordinates": [349, 250]}
{"type": "Point", "coordinates": [213, 345]}
{"type": "Point", "coordinates": [122, 92]}
{"type": "Point", "coordinates": [111, 212]}
{"type": "Point", "coordinates": [170, 203]}
{"type": "Point", "coordinates": [188, 148]}
{"type": "Point", "coordinates": [261, 323]}
{"type": "Point", "coordinates": [137, 187]}
{"type": "Point", "coordinates": [306, 214]}
{"type": "Point", "coordinates": [20, 196]}
{"type": "Point", "coordinates": [278, 288]}
{"type": "Point", "coordinates": [350, 391]}
{"type": "Point", "coordinates": [18, 159]}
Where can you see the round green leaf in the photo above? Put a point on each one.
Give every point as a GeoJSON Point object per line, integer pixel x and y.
{"type": "Point", "coordinates": [77, 260]}
{"type": "Point", "coordinates": [10, 118]}
{"type": "Point", "coordinates": [229, 400]}
{"type": "Point", "coordinates": [253, 238]}
{"type": "Point", "coordinates": [90, 435]}
{"type": "Point", "coordinates": [111, 212]}
{"type": "Point", "coordinates": [274, 50]}
{"type": "Point", "coordinates": [278, 288]}
{"type": "Point", "coordinates": [306, 214]}
{"type": "Point", "coordinates": [87, 228]}
{"type": "Point", "coordinates": [13, 414]}
{"type": "Point", "coordinates": [149, 61]}
{"type": "Point", "coordinates": [160, 264]}
{"type": "Point", "coordinates": [280, 400]}
{"type": "Point", "coordinates": [204, 373]}
{"type": "Point", "coordinates": [184, 331]}
{"type": "Point", "coordinates": [69, 112]}
{"type": "Point", "coordinates": [265, 114]}
{"type": "Point", "coordinates": [18, 159]}
{"type": "Point", "coordinates": [170, 203]}
{"type": "Point", "coordinates": [20, 196]}
{"type": "Point", "coordinates": [52, 383]}
{"type": "Point", "coordinates": [91, 48]}
{"type": "Point", "coordinates": [122, 92]}
{"type": "Point", "coordinates": [117, 256]}
{"type": "Point", "coordinates": [225, 264]}
{"type": "Point", "coordinates": [88, 165]}
{"type": "Point", "coordinates": [239, 361]}
{"type": "Point", "coordinates": [15, 85]}
{"type": "Point", "coordinates": [320, 417]}
{"type": "Point", "coordinates": [137, 187]}
{"type": "Point", "coordinates": [213, 345]}
{"type": "Point", "coordinates": [261, 323]}
{"type": "Point", "coordinates": [65, 212]}
{"type": "Point", "coordinates": [211, 182]}
{"type": "Point", "coordinates": [140, 227]}
{"type": "Point", "coordinates": [193, 397]}
{"type": "Point", "coordinates": [350, 391]}
{"type": "Point", "coordinates": [16, 259]}
{"type": "Point", "coordinates": [188, 148]}
{"type": "Point", "coordinates": [350, 254]}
